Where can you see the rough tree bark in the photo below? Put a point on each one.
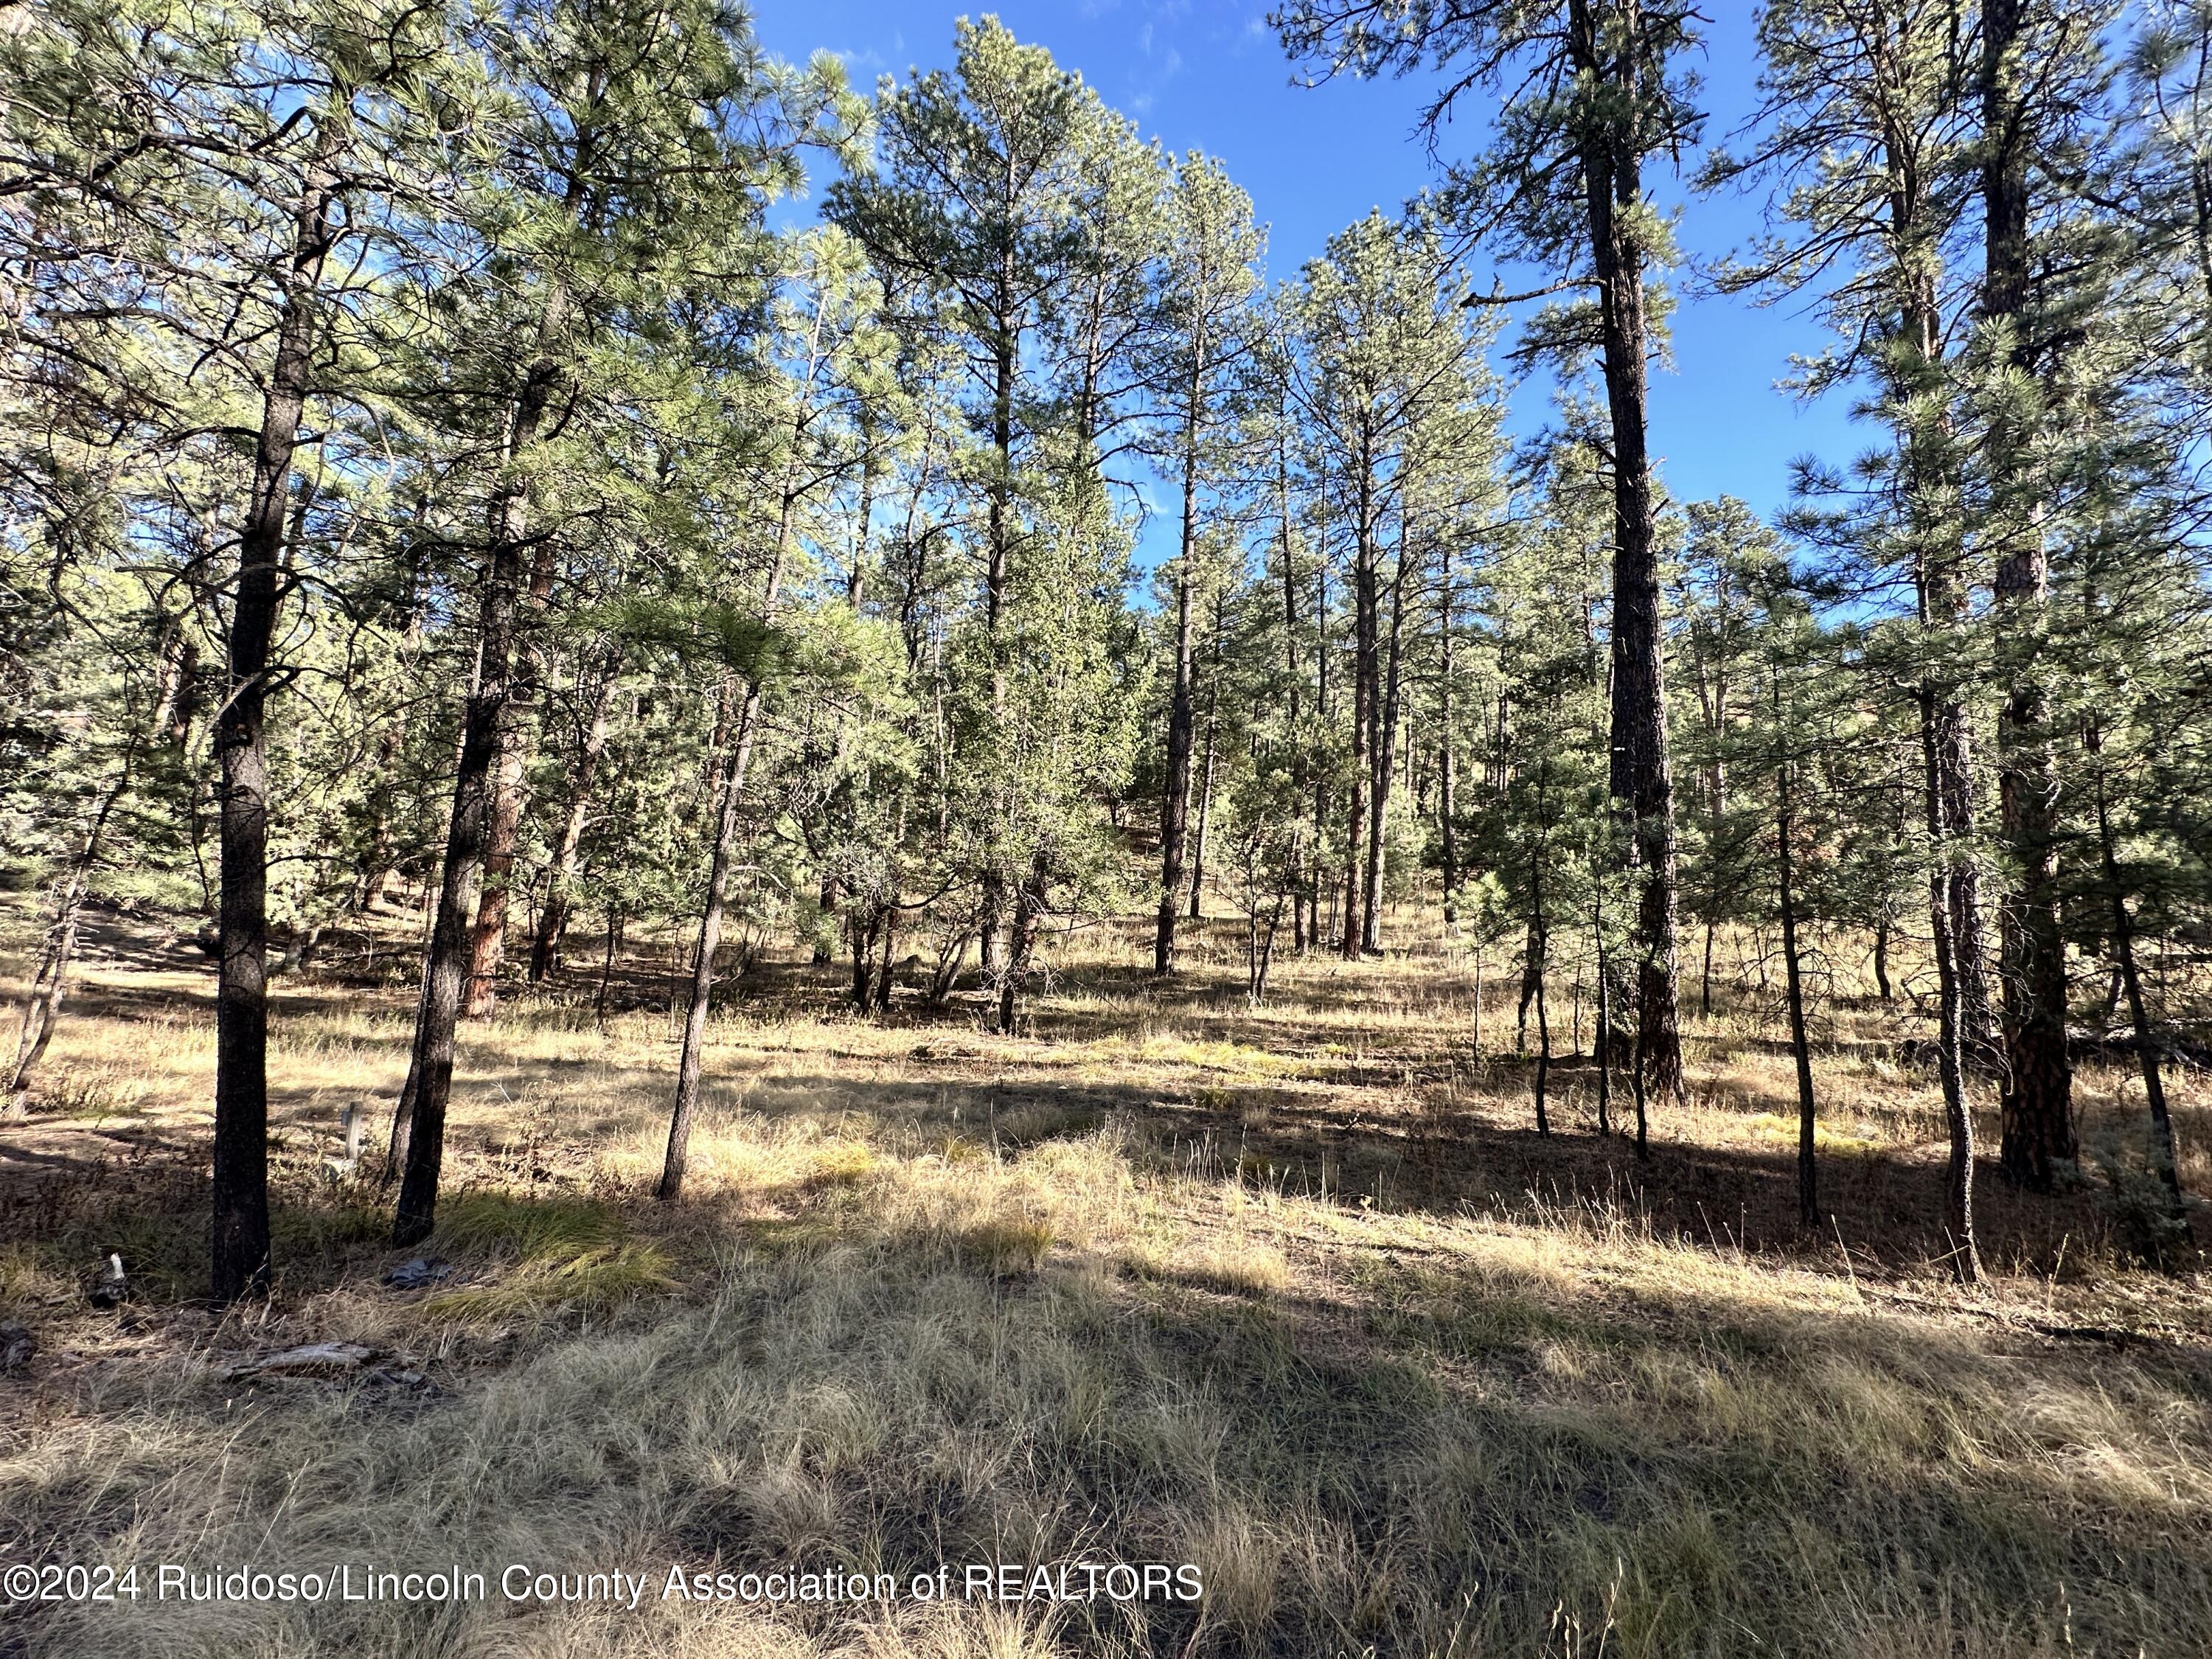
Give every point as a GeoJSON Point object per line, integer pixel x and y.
{"type": "Point", "coordinates": [1302, 895]}
{"type": "Point", "coordinates": [2036, 1104]}
{"type": "Point", "coordinates": [1028, 912]}
{"type": "Point", "coordinates": [1447, 756]}
{"type": "Point", "coordinates": [239, 1254]}
{"type": "Point", "coordinates": [446, 966]}
{"type": "Point", "coordinates": [1539, 948]}
{"type": "Point", "coordinates": [1641, 780]}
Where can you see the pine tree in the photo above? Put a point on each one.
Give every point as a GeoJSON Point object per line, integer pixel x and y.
{"type": "Point", "coordinates": [1205, 329]}
{"type": "Point", "coordinates": [1587, 102]}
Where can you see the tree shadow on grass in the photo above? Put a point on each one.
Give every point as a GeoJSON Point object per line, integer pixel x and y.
{"type": "Point", "coordinates": [1431, 1455]}
{"type": "Point", "coordinates": [1403, 1128]}
{"type": "Point", "coordinates": [1426, 1157]}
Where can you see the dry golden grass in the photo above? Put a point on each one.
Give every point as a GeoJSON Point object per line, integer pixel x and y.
{"type": "Point", "coordinates": [1295, 1295]}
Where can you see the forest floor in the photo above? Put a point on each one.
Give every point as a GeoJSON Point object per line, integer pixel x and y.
{"type": "Point", "coordinates": [1295, 1295]}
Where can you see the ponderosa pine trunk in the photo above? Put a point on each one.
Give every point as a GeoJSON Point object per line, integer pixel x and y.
{"type": "Point", "coordinates": [1601, 1037]}
{"type": "Point", "coordinates": [2037, 1115]}
{"type": "Point", "coordinates": [502, 826]}
{"type": "Point", "coordinates": [1531, 971]}
{"type": "Point", "coordinates": [446, 970]}
{"type": "Point", "coordinates": [1021, 949]}
{"type": "Point", "coordinates": [503, 829]}
{"type": "Point", "coordinates": [1006, 329]}
{"type": "Point", "coordinates": [691, 1062]}
{"type": "Point", "coordinates": [1317, 934]}
{"type": "Point", "coordinates": [1183, 721]}
{"type": "Point", "coordinates": [1447, 779]}
{"type": "Point", "coordinates": [1388, 667]}
{"type": "Point", "coordinates": [1365, 596]}
{"type": "Point", "coordinates": [1940, 591]}
{"type": "Point", "coordinates": [240, 1246]}
{"type": "Point", "coordinates": [1300, 894]}
{"type": "Point", "coordinates": [1641, 781]}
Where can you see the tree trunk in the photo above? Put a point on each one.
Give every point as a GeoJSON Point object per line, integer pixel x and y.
{"type": "Point", "coordinates": [1447, 778]}
{"type": "Point", "coordinates": [1206, 784]}
{"type": "Point", "coordinates": [519, 729]}
{"type": "Point", "coordinates": [607, 963]}
{"type": "Point", "coordinates": [1959, 1176]}
{"type": "Point", "coordinates": [545, 949]}
{"type": "Point", "coordinates": [1641, 781]}
{"type": "Point", "coordinates": [1808, 1197]}
{"type": "Point", "coordinates": [691, 1061]}
{"type": "Point", "coordinates": [239, 1254]}
{"type": "Point", "coordinates": [883, 976]}
{"type": "Point", "coordinates": [1318, 933]}
{"type": "Point", "coordinates": [860, 936]}
{"type": "Point", "coordinates": [1301, 894]}
{"type": "Point", "coordinates": [1386, 670]}
{"type": "Point", "coordinates": [1183, 722]}
{"type": "Point", "coordinates": [999, 548]}
{"type": "Point", "coordinates": [2037, 1104]}
{"type": "Point", "coordinates": [1175, 810]}
{"type": "Point", "coordinates": [43, 1007]}
{"type": "Point", "coordinates": [1021, 945]}
{"type": "Point", "coordinates": [1532, 967]}
{"type": "Point", "coordinates": [1705, 977]}
{"type": "Point", "coordinates": [1602, 1039]}
{"type": "Point", "coordinates": [1363, 721]}
{"type": "Point", "coordinates": [445, 971]}
{"type": "Point", "coordinates": [502, 826]}
{"type": "Point", "coordinates": [2164, 1153]}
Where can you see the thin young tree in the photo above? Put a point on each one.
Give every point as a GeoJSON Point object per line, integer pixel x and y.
{"type": "Point", "coordinates": [1206, 326]}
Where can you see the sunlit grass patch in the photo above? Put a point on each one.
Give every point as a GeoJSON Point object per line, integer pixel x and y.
{"type": "Point", "coordinates": [1240, 1266]}
{"type": "Point", "coordinates": [1001, 1245]}
{"type": "Point", "coordinates": [1772, 1126]}
{"type": "Point", "coordinates": [843, 1163]}
{"type": "Point", "coordinates": [28, 1275]}
{"type": "Point", "coordinates": [594, 1280]}
{"type": "Point", "coordinates": [548, 1256]}
{"type": "Point", "coordinates": [533, 1229]}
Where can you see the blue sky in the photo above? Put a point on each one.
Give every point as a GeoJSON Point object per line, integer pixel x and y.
{"type": "Point", "coordinates": [1208, 75]}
